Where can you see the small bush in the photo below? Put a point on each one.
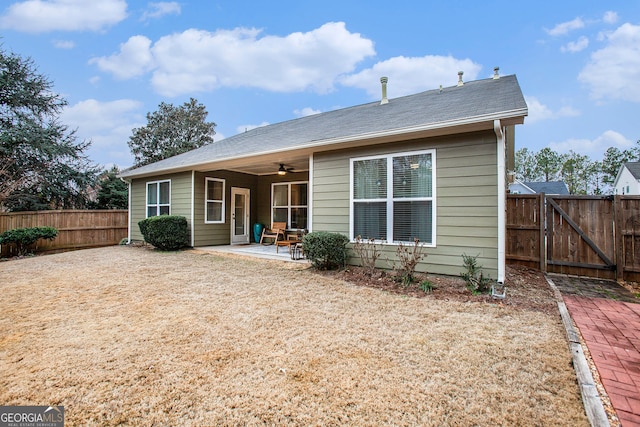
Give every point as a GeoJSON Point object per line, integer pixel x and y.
{"type": "Point", "coordinates": [24, 238]}
{"type": "Point", "coordinates": [407, 259]}
{"type": "Point", "coordinates": [427, 286]}
{"type": "Point", "coordinates": [368, 251]}
{"type": "Point", "coordinates": [476, 282]}
{"type": "Point", "coordinates": [326, 250]}
{"type": "Point", "coordinates": [165, 232]}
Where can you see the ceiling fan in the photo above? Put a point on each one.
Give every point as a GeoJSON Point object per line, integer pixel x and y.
{"type": "Point", "coordinates": [282, 170]}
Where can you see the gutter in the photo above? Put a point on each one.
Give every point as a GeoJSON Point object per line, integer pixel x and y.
{"type": "Point", "coordinates": [502, 197]}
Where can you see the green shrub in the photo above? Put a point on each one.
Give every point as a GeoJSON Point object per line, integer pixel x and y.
{"type": "Point", "coordinates": [24, 238]}
{"type": "Point", "coordinates": [427, 286]}
{"type": "Point", "coordinates": [165, 232]}
{"type": "Point", "coordinates": [326, 250]}
{"type": "Point", "coordinates": [476, 282]}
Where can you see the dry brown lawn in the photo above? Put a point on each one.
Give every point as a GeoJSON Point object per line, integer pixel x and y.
{"type": "Point", "coordinates": [131, 336]}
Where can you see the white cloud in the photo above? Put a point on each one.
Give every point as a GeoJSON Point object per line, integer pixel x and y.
{"type": "Point", "coordinates": [39, 16]}
{"type": "Point", "coordinates": [306, 111]}
{"type": "Point", "coordinates": [246, 128]}
{"type": "Point", "coordinates": [108, 125]}
{"type": "Point", "coordinates": [64, 44]}
{"type": "Point", "coordinates": [610, 17]}
{"type": "Point", "coordinates": [413, 74]}
{"type": "Point", "coordinates": [576, 46]}
{"type": "Point", "coordinates": [594, 148]}
{"type": "Point", "coordinates": [539, 112]}
{"type": "Point", "coordinates": [614, 71]}
{"type": "Point", "coordinates": [565, 27]}
{"type": "Point", "coordinates": [197, 60]}
{"type": "Point", "coordinates": [159, 9]}
{"type": "Point", "coordinates": [134, 59]}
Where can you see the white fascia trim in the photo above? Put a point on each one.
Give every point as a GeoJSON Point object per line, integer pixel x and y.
{"type": "Point", "coordinates": [502, 196]}
{"type": "Point", "coordinates": [382, 134]}
{"type": "Point", "coordinates": [353, 138]}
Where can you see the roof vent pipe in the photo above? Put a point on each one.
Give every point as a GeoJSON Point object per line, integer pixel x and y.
{"type": "Point", "coordinates": [496, 76]}
{"type": "Point", "coordinates": [460, 82]}
{"type": "Point", "coordinates": [383, 81]}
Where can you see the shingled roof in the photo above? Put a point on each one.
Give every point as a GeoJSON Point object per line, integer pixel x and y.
{"type": "Point", "coordinates": [548, 187]}
{"type": "Point", "coordinates": [474, 102]}
{"type": "Point", "coordinates": [634, 168]}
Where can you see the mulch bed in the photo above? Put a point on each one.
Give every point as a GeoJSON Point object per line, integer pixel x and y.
{"type": "Point", "coordinates": [527, 289]}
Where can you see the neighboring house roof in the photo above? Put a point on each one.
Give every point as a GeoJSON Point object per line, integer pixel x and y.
{"type": "Point", "coordinates": [549, 187]}
{"type": "Point", "coordinates": [634, 168]}
{"type": "Point", "coordinates": [424, 114]}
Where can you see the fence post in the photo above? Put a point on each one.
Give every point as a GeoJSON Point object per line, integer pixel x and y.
{"type": "Point", "coordinates": [618, 237]}
{"type": "Point", "coordinates": [542, 244]}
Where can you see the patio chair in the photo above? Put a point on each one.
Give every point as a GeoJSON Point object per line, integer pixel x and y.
{"type": "Point", "coordinates": [276, 230]}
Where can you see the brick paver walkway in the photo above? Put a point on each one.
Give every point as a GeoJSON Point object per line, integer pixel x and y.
{"type": "Point", "coordinates": [611, 330]}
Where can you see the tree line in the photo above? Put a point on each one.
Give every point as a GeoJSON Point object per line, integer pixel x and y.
{"type": "Point", "coordinates": [581, 174]}
{"type": "Point", "coordinates": [43, 165]}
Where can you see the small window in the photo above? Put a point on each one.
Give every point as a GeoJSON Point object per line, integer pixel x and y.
{"type": "Point", "coordinates": [158, 198]}
{"type": "Point", "coordinates": [214, 201]}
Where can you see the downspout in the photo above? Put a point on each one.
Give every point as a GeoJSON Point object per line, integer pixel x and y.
{"type": "Point", "coordinates": [193, 187]}
{"type": "Point", "coordinates": [129, 210]}
{"type": "Point", "coordinates": [310, 195]}
{"type": "Point", "coordinates": [502, 196]}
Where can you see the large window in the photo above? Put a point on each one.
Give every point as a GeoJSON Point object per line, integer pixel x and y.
{"type": "Point", "coordinates": [158, 198]}
{"type": "Point", "coordinates": [393, 197]}
{"type": "Point", "coordinates": [214, 201]}
{"type": "Point", "coordinates": [289, 204]}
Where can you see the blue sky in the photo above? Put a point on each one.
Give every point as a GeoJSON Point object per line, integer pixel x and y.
{"type": "Point", "coordinates": [252, 62]}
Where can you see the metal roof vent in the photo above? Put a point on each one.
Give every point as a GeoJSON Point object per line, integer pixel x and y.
{"type": "Point", "coordinates": [383, 81]}
{"type": "Point", "coordinates": [496, 76]}
{"type": "Point", "coordinates": [460, 82]}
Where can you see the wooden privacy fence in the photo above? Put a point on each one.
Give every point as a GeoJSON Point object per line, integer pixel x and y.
{"type": "Point", "coordinates": [597, 236]}
{"type": "Point", "coordinates": [76, 228]}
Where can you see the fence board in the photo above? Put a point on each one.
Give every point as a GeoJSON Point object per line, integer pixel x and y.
{"type": "Point", "coordinates": [76, 228]}
{"type": "Point", "coordinates": [524, 222]}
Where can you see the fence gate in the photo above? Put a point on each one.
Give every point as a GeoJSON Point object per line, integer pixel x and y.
{"type": "Point", "coordinates": [580, 236]}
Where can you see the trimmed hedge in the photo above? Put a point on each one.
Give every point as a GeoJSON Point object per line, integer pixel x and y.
{"type": "Point", "coordinates": [165, 232]}
{"type": "Point", "coordinates": [326, 250]}
{"type": "Point", "coordinates": [24, 238]}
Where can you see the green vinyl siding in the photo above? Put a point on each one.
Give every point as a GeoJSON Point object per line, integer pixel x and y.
{"type": "Point", "coordinates": [466, 198]}
{"type": "Point", "coordinates": [220, 234]}
{"type": "Point", "coordinates": [180, 199]}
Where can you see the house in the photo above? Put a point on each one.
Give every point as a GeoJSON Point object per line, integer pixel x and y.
{"type": "Point", "coordinates": [430, 166]}
{"type": "Point", "coordinates": [548, 187]}
{"type": "Point", "coordinates": [628, 179]}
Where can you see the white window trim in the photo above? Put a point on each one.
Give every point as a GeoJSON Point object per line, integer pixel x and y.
{"type": "Point", "coordinates": [390, 200]}
{"type": "Point", "coordinates": [206, 200]}
{"type": "Point", "coordinates": [157, 205]}
{"type": "Point", "coordinates": [289, 206]}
